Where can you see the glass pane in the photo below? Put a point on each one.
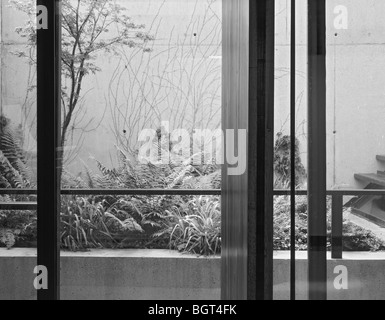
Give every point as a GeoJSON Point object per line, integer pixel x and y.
{"type": "Point", "coordinates": [141, 109]}
{"type": "Point", "coordinates": [355, 135]}
{"type": "Point", "coordinates": [282, 150]}
{"type": "Point", "coordinates": [18, 228]}
{"type": "Point", "coordinates": [141, 96]}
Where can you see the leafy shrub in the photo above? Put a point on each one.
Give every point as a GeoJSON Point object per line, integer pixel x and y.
{"type": "Point", "coordinates": [7, 237]}
{"type": "Point", "coordinates": [195, 226]}
{"type": "Point", "coordinates": [121, 221]}
{"type": "Point", "coordinates": [354, 238]}
{"type": "Point", "coordinates": [282, 162]}
{"type": "Point", "coordinates": [185, 223]}
{"type": "Point", "coordinates": [360, 239]}
{"type": "Point", "coordinates": [14, 170]}
{"type": "Point", "coordinates": [100, 222]}
{"type": "Point", "coordinates": [15, 226]}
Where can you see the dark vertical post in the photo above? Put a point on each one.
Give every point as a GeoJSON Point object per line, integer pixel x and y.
{"type": "Point", "coordinates": [337, 224]}
{"type": "Point", "coordinates": [317, 150]}
{"type": "Point", "coordinates": [234, 281]}
{"type": "Point", "coordinates": [248, 103]}
{"type": "Point", "coordinates": [48, 133]}
{"type": "Point", "coordinates": [292, 151]}
{"type": "Point", "coordinates": [261, 150]}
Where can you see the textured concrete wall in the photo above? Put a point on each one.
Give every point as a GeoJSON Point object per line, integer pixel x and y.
{"type": "Point", "coordinates": [355, 71]}
{"type": "Point", "coordinates": [116, 275]}
{"type": "Point", "coordinates": [16, 274]}
{"type": "Point", "coordinates": [355, 93]}
{"type": "Point", "coordinates": [365, 277]}
{"type": "Point", "coordinates": [163, 275]}
{"type": "Point", "coordinates": [140, 275]}
{"type": "Point", "coordinates": [179, 81]}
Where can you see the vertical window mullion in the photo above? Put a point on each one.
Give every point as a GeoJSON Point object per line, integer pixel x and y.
{"type": "Point", "coordinates": [48, 133]}
{"type": "Point", "coordinates": [317, 150]}
{"type": "Point", "coordinates": [292, 150]}
{"type": "Point", "coordinates": [261, 147]}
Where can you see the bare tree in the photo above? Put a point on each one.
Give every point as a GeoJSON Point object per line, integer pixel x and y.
{"type": "Point", "coordinates": [179, 81]}
{"type": "Point", "coordinates": [89, 27]}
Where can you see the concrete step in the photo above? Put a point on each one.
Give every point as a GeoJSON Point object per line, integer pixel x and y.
{"type": "Point", "coordinates": [381, 158]}
{"type": "Point", "coordinates": [375, 178]}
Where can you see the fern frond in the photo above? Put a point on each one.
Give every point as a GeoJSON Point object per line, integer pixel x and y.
{"type": "Point", "coordinates": [7, 237]}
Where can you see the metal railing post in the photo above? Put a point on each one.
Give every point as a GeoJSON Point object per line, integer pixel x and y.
{"type": "Point", "coordinates": [337, 224]}
{"type": "Point", "coordinates": [317, 150]}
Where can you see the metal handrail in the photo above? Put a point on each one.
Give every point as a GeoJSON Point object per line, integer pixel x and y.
{"type": "Point", "coordinates": [277, 192]}
{"type": "Point", "coordinates": [127, 192]}
{"type": "Point", "coordinates": [337, 202]}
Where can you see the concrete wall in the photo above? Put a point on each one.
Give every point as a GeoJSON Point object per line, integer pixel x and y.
{"type": "Point", "coordinates": [179, 81]}
{"type": "Point", "coordinates": [365, 278]}
{"type": "Point", "coordinates": [115, 275]}
{"type": "Point", "coordinates": [355, 93]}
{"type": "Point", "coordinates": [163, 275]}
{"type": "Point", "coordinates": [355, 71]}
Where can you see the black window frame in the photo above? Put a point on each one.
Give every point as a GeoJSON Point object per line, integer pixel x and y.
{"type": "Point", "coordinates": [251, 232]}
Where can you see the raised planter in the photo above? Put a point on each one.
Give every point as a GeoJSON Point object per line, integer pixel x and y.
{"type": "Point", "coordinates": [116, 275]}
{"type": "Point", "coordinates": [366, 276]}
{"type": "Point", "coordinates": [163, 274]}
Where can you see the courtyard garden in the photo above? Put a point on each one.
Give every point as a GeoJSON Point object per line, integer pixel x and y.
{"type": "Point", "coordinates": [185, 223]}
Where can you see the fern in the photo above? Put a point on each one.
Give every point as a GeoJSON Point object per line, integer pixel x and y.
{"type": "Point", "coordinates": [119, 221]}
{"type": "Point", "coordinates": [11, 178]}
{"type": "Point", "coordinates": [7, 237]}
{"type": "Point", "coordinates": [14, 170]}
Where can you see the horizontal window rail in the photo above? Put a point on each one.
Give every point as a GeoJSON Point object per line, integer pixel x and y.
{"type": "Point", "coordinates": [18, 206]}
{"type": "Point", "coordinates": [176, 192]}
{"type": "Point", "coordinates": [337, 202]}
{"type": "Point", "coordinates": [337, 192]}
{"type": "Point", "coordinates": [203, 192]}
{"type": "Point", "coordinates": [120, 192]}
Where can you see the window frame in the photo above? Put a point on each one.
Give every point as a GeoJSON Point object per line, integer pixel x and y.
{"type": "Point", "coordinates": [249, 233]}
